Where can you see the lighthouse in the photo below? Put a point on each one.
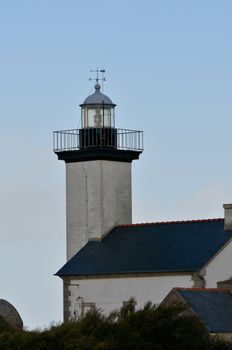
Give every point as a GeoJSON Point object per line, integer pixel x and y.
{"type": "Point", "coordinates": [98, 159]}
{"type": "Point", "coordinates": [110, 260]}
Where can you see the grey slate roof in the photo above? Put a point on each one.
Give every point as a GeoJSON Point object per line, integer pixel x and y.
{"type": "Point", "coordinates": [97, 98]}
{"type": "Point", "coordinates": [214, 307]}
{"type": "Point", "coordinates": [147, 248]}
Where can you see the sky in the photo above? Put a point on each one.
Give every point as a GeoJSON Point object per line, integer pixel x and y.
{"type": "Point", "coordinates": [168, 69]}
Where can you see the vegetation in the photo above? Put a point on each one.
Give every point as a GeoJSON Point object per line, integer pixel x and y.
{"type": "Point", "coordinates": [125, 329]}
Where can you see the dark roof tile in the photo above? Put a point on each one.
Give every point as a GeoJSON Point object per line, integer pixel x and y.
{"type": "Point", "coordinates": [213, 306]}
{"type": "Point", "coordinates": [147, 248]}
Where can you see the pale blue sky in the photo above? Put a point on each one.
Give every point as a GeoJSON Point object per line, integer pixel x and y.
{"type": "Point", "coordinates": [168, 69]}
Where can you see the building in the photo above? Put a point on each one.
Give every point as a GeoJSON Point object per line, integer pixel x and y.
{"type": "Point", "coordinates": [212, 306]}
{"type": "Point", "coordinates": [110, 260]}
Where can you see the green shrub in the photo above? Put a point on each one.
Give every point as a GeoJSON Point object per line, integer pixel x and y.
{"type": "Point", "coordinates": [124, 329]}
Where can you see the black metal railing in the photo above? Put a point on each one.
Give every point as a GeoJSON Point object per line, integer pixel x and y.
{"type": "Point", "coordinates": [77, 139]}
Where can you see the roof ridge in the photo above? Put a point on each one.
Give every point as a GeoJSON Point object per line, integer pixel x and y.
{"type": "Point", "coordinates": [222, 290]}
{"type": "Point", "coordinates": [170, 222]}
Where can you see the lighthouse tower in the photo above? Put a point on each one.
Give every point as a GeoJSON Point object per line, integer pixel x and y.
{"type": "Point", "coordinates": [98, 161]}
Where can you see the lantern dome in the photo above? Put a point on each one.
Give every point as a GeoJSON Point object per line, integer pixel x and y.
{"type": "Point", "coordinates": [97, 98]}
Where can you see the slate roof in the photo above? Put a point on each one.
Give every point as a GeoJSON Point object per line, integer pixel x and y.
{"type": "Point", "coordinates": [146, 248]}
{"type": "Point", "coordinates": [213, 306]}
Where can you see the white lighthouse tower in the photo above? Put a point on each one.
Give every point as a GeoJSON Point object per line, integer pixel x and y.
{"type": "Point", "coordinates": [98, 161]}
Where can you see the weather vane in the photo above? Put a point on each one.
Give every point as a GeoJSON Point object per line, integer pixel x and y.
{"type": "Point", "coordinates": [98, 71]}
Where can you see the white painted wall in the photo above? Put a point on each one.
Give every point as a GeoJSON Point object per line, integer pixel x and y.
{"type": "Point", "coordinates": [98, 197]}
{"type": "Point", "coordinates": [110, 293]}
{"type": "Point", "coordinates": [220, 268]}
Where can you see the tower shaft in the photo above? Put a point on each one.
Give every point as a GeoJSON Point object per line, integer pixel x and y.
{"type": "Point", "coordinates": [98, 197]}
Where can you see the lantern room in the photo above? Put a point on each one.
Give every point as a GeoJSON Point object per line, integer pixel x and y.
{"type": "Point", "coordinates": [97, 111]}
{"type": "Point", "coordinates": [98, 136]}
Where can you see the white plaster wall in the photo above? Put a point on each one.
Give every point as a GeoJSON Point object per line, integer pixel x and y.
{"type": "Point", "coordinates": [220, 268]}
{"type": "Point", "coordinates": [98, 197]}
{"type": "Point", "coordinates": [110, 293]}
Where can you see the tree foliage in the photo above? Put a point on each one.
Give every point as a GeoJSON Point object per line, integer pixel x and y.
{"type": "Point", "coordinates": [124, 329]}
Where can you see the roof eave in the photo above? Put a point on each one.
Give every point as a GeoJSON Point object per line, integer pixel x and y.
{"type": "Point", "coordinates": [126, 273]}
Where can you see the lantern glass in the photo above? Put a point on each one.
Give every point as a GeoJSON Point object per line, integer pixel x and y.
{"type": "Point", "coordinates": [97, 117]}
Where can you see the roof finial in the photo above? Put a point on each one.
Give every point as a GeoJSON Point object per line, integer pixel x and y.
{"type": "Point", "coordinates": [97, 71]}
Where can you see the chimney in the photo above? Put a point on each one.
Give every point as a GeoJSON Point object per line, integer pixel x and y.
{"type": "Point", "coordinates": [225, 284]}
{"type": "Point", "coordinates": [228, 216]}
